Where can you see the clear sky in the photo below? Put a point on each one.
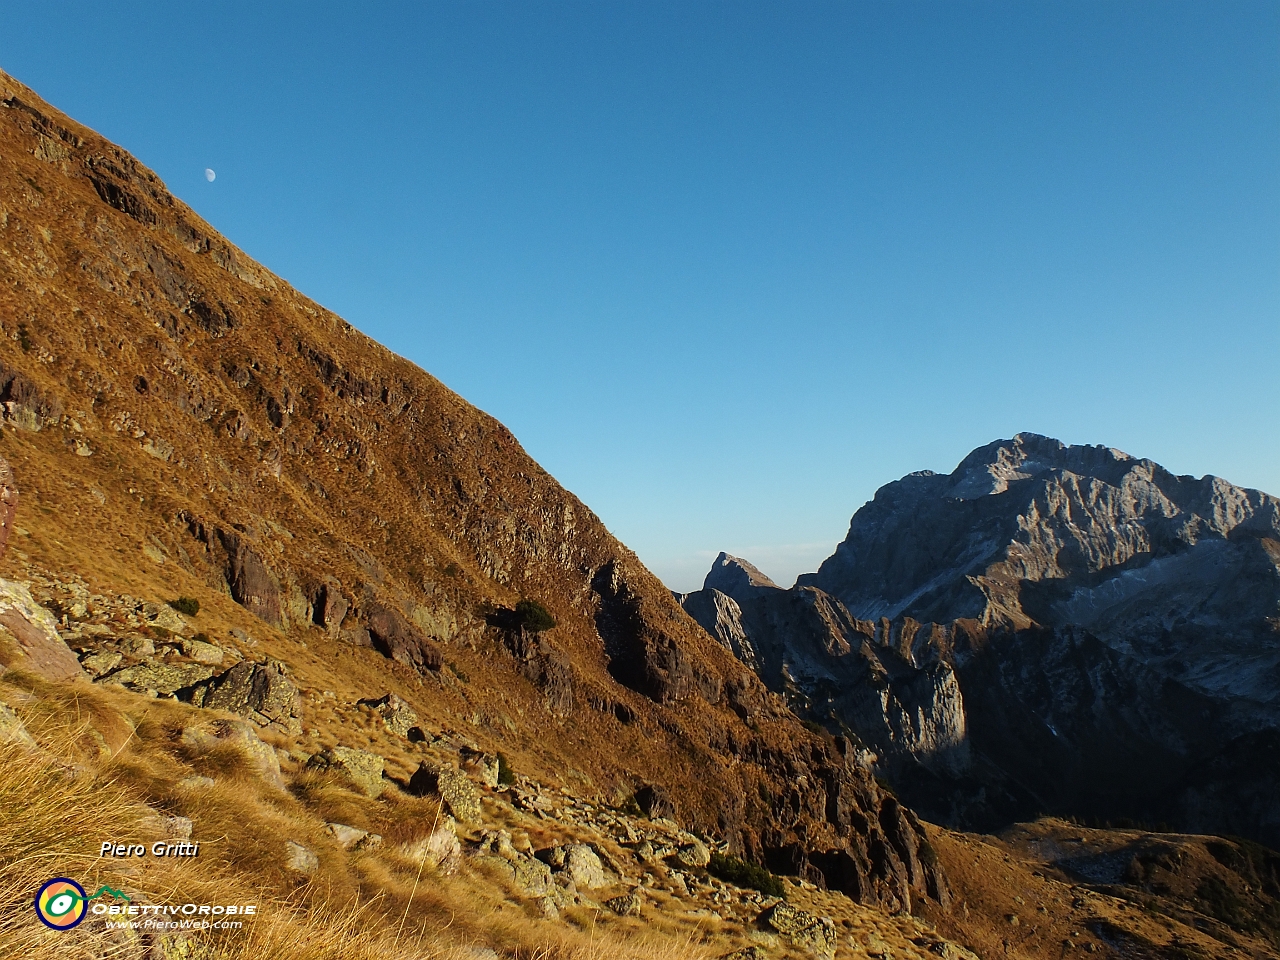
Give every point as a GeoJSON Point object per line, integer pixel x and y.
{"type": "Point", "coordinates": [726, 268]}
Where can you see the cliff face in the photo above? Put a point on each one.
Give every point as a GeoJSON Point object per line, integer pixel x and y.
{"type": "Point", "coordinates": [1055, 628]}
{"type": "Point", "coordinates": [187, 422]}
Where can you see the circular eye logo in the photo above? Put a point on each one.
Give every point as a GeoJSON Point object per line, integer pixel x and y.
{"type": "Point", "coordinates": [61, 903]}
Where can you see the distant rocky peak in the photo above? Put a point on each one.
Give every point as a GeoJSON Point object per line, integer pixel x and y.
{"type": "Point", "coordinates": [737, 578]}
{"type": "Point", "coordinates": [990, 469]}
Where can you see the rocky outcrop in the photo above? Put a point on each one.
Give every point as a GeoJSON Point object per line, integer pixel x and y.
{"type": "Point", "coordinates": [1104, 635]}
{"type": "Point", "coordinates": [33, 634]}
{"type": "Point", "coordinates": [456, 791]}
{"type": "Point", "coordinates": [260, 691]}
{"type": "Point", "coordinates": [881, 681]}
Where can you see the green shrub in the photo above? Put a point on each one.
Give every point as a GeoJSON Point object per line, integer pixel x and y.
{"type": "Point", "coordinates": [506, 776]}
{"type": "Point", "coordinates": [533, 616]}
{"type": "Point", "coordinates": [743, 874]}
{"type": "Point", "coordinates": [188, 606]}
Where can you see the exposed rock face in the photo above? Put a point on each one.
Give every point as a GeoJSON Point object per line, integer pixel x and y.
{"type": "Point", "coordinates": [36, 645]}
{"type": "Point", "coordinates": [1030, 529]}
{"type": "Point", "coordinates": [878, 678]}
{"type": "Point", "coordinates": [1105, 635]}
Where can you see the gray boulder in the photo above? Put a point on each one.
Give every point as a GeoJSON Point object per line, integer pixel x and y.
{"type": "Point", "coordinates": [300, 859]}
{"type": "Point", "coordinates": [259, 691]}
{"type": "Point", "coordinates": [396, 714]}
{"type": "Point", "coordinates": [579, 862]}
{"type": "Point", "coordinates": [456, 790]}
{"type": "Point", "coordinates": [804, 930]}
{"type": "Point", "coordinates": [362, 769]}
{"type": "Point", "coordinates": [166, 678]}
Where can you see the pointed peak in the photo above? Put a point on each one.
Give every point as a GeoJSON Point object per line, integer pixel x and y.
{"type": "Point", "coordinates": [736, 577]}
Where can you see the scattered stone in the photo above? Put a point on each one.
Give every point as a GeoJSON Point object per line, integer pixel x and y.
{"type": "Point", "coordinates": [804, 930]}
{"type": "Point", "coordinates": [177, 828]}
{"type": "Point", "coordinates": [300, 858]}
{"type": "Point", "coordinates": [458, 792]}
{"type": "Point", "coordinates": [579, 862]}
{"type": "Point", "coordinates": [203, 652]}
{"type": "Point", "coordinates": [259, 691]}
{"type": "Point", "coordinates": [627, 905]}
{"type": "Point", "coordinates": [138, 647]}
{"type": "Point", "coordinates": [163, 616]}
{"type": "Point", "coordinates": [353, 838]}
{"type": "Point", "coordinates": [101, 663]}
{"type": "Point", "coordinates": [694, 854]}
{"type": "Point", "coordinates": [197, 783]}
{"type": "Point", "coordinates": [166, 678]}
{"type": "Point", "coordinates": [396, 714]}
{"type": "Point", "coordinates": [362, 768]}
{"type": "Point", "coordinates": [746, 953]}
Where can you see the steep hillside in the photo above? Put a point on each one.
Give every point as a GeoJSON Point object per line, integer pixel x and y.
{"type": "Point", "coordinates": [340, 526]}
{"type": "Point", "coordinates": [1047, 628]}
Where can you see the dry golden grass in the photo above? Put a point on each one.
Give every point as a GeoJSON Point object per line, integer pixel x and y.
{"type": "Point", "coordinates": [82, 787]}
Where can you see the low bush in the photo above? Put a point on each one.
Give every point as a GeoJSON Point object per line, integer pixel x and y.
{"type": "Point", "coordinates": [188, 606]}
{"type": "Point", "coordinates": [533, 616]}
{"type": "Point", "coordinates": [743, 874]}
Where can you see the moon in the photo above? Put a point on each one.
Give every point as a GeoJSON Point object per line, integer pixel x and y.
{"type": "Point", "coordinates": [209, 174]}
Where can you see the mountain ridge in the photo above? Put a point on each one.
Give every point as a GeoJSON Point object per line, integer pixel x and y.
{"type": "Point", "coordinates": [1052, 577]}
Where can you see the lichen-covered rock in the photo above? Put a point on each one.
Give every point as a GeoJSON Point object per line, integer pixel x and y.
{"type": "Point", "coordinates": [360, 767]}
{"type": "Point", "coordinates": [38, 647]}
{"type": "Point", "coordinates": [579, 862]}
{"type": "Point", "coordinates": [203, 652]}
{"type": "Point", "coordinates": [627, 905]}
{"type": "Point", "coordinates": [163, 616]}
{"type": "Point", "coordinates": [694, 853]}
{"type": "Point", "coordinates": [815, 934]}
{"type": "Point", "coordinates": [300, 859]}
{"type": "Point", "coordinates": [483, 766]}
{"type": "Point", "coordinates": [101, 663]}
{"type": "Point", "coordinates": [457, 791]}
{"type": "Point", "coordinates": [259, 691]}
{"type": "Point", "coordinates": [161, 677]}
{"type": "Point", "coordinates": [396, 714]}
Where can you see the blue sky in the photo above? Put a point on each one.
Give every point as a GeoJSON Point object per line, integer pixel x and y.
{"type": "Point", "coordinates": [726, 268]}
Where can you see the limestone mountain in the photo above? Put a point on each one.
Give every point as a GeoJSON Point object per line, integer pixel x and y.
{"type": "Point", "coordinates": [181, 422]}
{"type": "Point", "coordinates": [1048, 627]}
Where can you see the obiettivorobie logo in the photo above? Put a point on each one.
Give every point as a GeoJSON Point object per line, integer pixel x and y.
{"type": "Point", "coordinates": [62, 903]}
